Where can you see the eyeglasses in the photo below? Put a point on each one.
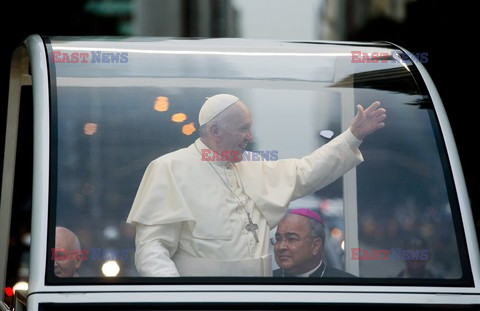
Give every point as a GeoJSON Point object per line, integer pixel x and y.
{"type": "Point", "coordinates": [290, 240]}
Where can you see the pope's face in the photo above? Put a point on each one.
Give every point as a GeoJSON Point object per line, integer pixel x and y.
{"type": "Point", "coordinates": [295, 250]}
{"type": "Point", "coordinates": [237, 133]}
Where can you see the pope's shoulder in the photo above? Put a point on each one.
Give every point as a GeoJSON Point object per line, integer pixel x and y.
{"type": "Point", "coordinates": [177, 156]}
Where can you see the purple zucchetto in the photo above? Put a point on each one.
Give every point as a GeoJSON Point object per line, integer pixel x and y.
{"type": "Point", "coordinates": [307, 213]}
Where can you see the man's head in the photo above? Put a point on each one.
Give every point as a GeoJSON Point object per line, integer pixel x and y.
{"type": "Point", "coordinates": [417, 267]}
{"type": "Point", "coordinates": [66, 242]}
{"type": "Point", "coordinates": [299, 241]}
{"type": "Point", "coordinates": [225, 125]}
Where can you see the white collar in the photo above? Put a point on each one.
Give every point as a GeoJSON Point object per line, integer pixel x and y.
{"type": "Point", "coordinates": [308, 273]}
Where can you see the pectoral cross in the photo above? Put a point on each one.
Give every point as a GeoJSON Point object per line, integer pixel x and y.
{"type": "Point", "coordinates": [251, 227]}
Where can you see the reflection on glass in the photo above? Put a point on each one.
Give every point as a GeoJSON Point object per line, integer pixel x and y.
{"type": "Point", "coordinates": [108, 134]}
{"type": "Point", "coordinates": [161, 104]}
{"type": "Point", "coordinates": [326, 133]}
{"type": "Point", "coordinates": [405, 194]}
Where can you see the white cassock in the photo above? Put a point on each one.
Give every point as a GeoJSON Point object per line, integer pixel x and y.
{"type": "Point", "coordinates": [188, 223]}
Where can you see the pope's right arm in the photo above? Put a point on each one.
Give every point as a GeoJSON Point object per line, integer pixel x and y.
{"type": "Point", "coordinates": [155, 246]}
{"type": "Point", "coordinates": [158, 212]}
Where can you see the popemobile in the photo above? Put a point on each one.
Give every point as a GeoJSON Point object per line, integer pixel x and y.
{"type": "Point", "coordinates": [87, 116]}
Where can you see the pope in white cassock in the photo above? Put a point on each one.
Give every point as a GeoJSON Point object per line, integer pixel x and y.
{"type": "Point", "coordinates": [212, 218]}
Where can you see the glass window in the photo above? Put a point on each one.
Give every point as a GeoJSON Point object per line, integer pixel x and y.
{"type": "Point", "coordinates": [119, 105]}
{"type": "Point", "coordinates": [404, 210]}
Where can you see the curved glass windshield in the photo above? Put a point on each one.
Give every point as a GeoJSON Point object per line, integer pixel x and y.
{"type": "Point", "coordinates": [137, 195]}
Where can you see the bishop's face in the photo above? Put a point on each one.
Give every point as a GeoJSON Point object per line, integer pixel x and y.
{"type": "Point", "coordinates": [237, 132]}
{"type": "Point", "coordinates": [295, 250]}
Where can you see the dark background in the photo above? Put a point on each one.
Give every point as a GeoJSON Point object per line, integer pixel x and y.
{"type": "Point", "coordinates": [445, 30]}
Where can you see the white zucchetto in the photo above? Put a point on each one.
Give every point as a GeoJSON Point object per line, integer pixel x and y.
{"type": "Point", "coordinates": [214, 105]}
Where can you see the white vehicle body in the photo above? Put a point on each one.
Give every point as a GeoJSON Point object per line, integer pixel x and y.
{"type": "Point", "coordinates": [193, 66]}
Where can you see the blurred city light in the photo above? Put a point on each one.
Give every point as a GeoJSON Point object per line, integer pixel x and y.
{"type": "Point", "coordinates": [110, 268]}
{"type": "Point", "coordinates": [188, 129]}
{"type": "Point", "coordinates": [111, 233]}
{"type": "Point", "coordinates": [90, 128]}
{"type": "Point", "coordinates": [161, 104]}
{"type": "Point", "coordinates": [20, 286]}
{"type": "Point", "coordinates": [179, 117]}
{"type": "Point", "coordinates": [26, 238]}
{"type": "Point", "coordinates": [336, 233]}
{"type": "Point", "coordinates": [9, 291]}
